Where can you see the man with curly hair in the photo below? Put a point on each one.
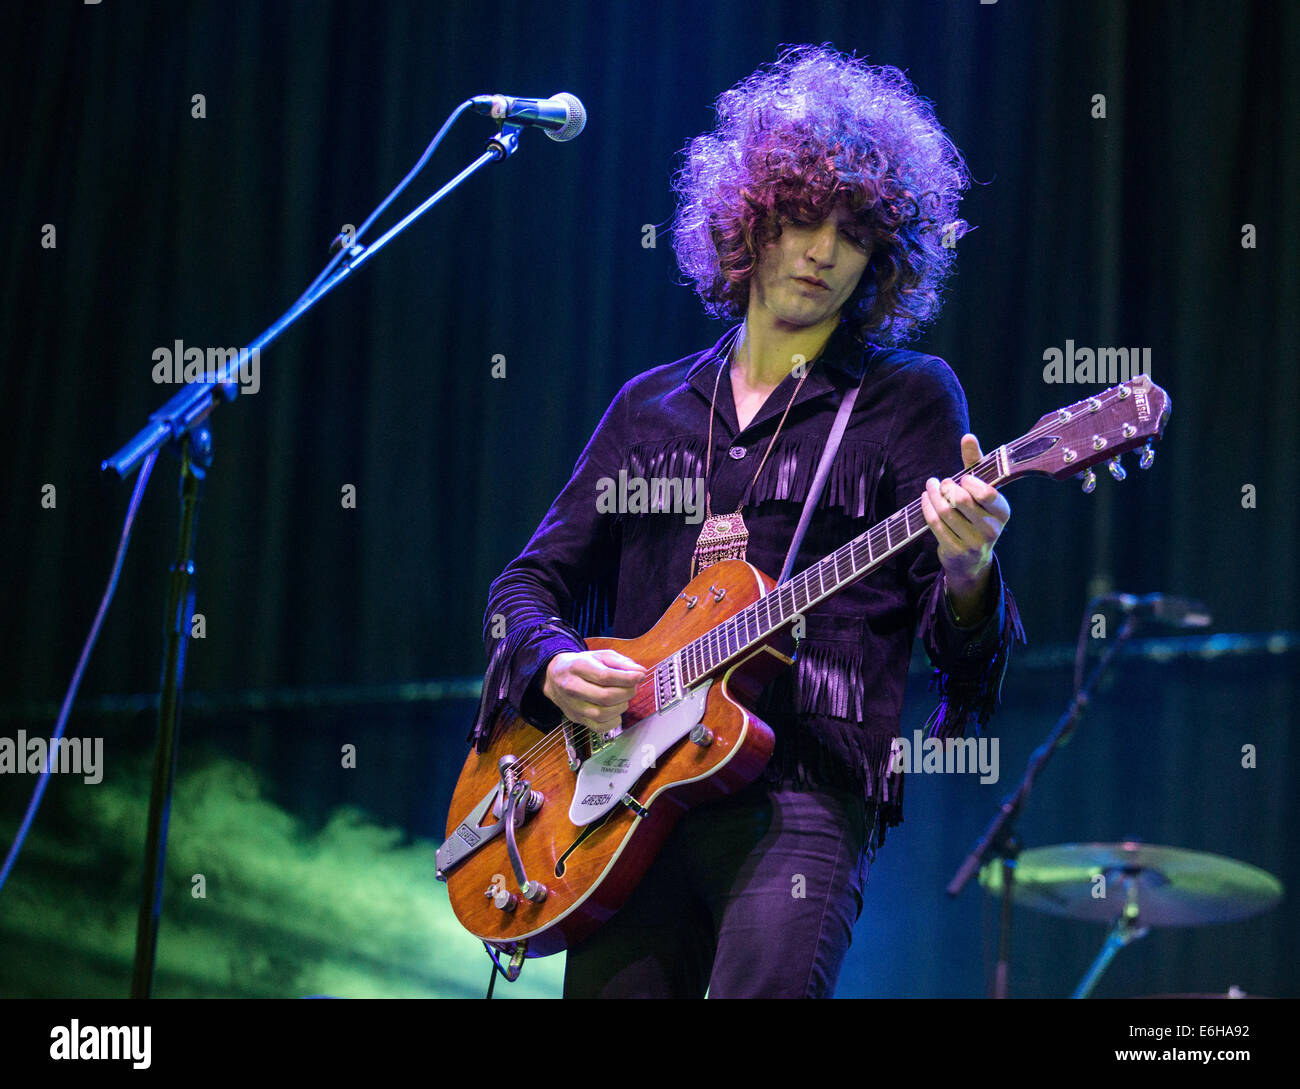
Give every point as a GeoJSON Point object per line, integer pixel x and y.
{"type": "Point", "coordinates": [820, 214]}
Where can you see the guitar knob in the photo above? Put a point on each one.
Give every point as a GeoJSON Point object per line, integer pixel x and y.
{"type": "Point", "coordinates": [702, 735]}
{"type": "Point", "coordinates": [534, 891]}
{"type": "Point", "coordinates": [1089, 479]}
{"type": "Point", "coordinates": [502, 898]}
{"type": "Point", "coordinates": [1116, 469]}
{"type": "Point", "coordinates": [1146, 457]}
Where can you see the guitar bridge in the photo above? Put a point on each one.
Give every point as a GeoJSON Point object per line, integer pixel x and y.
{"type": "Point", "coordinates": [571, 746]}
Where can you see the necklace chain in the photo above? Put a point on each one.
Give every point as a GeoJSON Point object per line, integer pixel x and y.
{"type": "Point", "coordinates": [721, 539]}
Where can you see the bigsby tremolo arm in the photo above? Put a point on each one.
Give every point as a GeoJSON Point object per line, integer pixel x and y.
{"type": "Point", "coordinates": [516, 791]}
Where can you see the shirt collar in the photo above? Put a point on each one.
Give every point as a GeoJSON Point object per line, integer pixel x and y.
{"type": "Point", "coordinates": [839, 365]}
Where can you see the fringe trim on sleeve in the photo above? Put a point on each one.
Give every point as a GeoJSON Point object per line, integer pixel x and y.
{"type": "Point", "coordinates": [592, 612]}
{"type": "Point", "coordinates": [977, 696]}
{"type": "Point", "coordinates": [497, 678]}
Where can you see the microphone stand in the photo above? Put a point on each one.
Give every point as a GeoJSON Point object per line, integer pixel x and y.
{"type": "Point", "coordinates": [177, 424]}
{"type": "Point", "coordinates": [1000, 837]}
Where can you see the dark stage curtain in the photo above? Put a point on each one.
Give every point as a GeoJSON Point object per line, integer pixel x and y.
{"type": "Point", "coordinates": [1124, 230]}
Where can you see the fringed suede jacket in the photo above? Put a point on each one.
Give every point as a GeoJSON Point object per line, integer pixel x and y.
{"type": "Point", "coordinates": [836, 712]}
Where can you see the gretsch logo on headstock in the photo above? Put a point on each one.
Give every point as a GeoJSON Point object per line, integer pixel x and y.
{"type": "Point", "coordinates": [1143, 403]}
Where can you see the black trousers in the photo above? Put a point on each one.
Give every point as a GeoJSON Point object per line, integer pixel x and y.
{"type": "Point", "coordinates": [751, 897]}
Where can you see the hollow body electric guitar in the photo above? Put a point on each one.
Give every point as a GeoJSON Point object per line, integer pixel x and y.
{"type": "Point", "coordinates": [549, 833]}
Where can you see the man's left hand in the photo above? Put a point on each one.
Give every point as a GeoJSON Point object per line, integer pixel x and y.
{"type": "Point", "coordinates": [967, 518]}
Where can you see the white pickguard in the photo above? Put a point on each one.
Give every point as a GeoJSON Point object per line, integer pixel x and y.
{"type": "Point", "coordinates": [606, 777]}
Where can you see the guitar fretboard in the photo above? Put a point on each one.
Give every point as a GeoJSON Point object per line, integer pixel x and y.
{"type": "Point", "coordinates": [801, 592]}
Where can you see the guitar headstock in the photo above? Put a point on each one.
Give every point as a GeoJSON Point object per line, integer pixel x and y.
{"type": "Point", "coordinates": [1071, 440]}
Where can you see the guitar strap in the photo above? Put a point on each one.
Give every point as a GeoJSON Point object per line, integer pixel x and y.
{"type": "Point", "coordinates": [823, 469]}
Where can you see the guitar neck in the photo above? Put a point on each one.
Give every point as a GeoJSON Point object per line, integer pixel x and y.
{"type": "Point", "coordinates": [1064, 443]}
{"type": "Point", "coordinates": [828, 576]}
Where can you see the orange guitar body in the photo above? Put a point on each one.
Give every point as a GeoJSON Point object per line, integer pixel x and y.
{"type": "Point", "coordinates": [590, 871]}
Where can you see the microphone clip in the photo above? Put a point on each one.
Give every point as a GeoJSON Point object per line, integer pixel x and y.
{"type": "Point", "coordinates": [506, 142]}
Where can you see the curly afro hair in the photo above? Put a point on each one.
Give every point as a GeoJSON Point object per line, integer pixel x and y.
{"type": "Point", "coordinates": [794, 139]}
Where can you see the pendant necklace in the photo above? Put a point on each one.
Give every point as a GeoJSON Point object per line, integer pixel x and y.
{"type": "Point", "coordinates": [725, 536]}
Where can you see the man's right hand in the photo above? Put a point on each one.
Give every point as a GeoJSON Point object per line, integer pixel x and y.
{"type": "Point", "coordinates": [593, 687]}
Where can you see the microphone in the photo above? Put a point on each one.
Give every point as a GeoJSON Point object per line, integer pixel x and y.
{"type": "Point", "coordinates": [562, 115]}
{"type": "Point", "coordinates": [1176, 612]}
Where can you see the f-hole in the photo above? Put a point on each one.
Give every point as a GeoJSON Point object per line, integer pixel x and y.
{"type": "Point", "coordinates": [560, 865]}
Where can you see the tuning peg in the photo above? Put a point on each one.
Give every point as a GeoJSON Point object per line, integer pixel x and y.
{"type": "Point", "coordinates": [1146, 457]}
{"type": "Point", "coordinates": [1116, 469]}
{"type": "Point", "coordinates": [1089, 479]}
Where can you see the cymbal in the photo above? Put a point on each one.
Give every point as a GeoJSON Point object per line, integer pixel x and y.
{"type": "Point", "coordinates": [1161, 886]}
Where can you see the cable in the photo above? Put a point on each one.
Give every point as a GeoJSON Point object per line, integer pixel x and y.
{"type": "Point", "coordinates": [345, 249]}
{"type": "Point", "coordinates": [133, 508]}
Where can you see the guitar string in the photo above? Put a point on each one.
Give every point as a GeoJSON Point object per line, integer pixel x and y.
{"type": "Point", "coordinates": [552, 743]}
